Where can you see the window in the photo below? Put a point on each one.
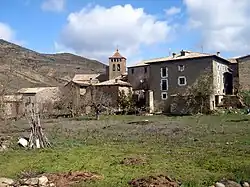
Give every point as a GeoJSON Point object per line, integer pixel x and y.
{"type": "Point", "coordinates": [181, 68]}
{"type": "Point", "coordinates": [145, 69]}
{"type": "Point", "coordinates": [164, 95]}
{"type": "Point", "coordinates": [118, 67]}
{"type": "Point", "coordinates": [132, 70]}
{"type": "Point", "coordinates": [113, 67]}
{"type": "Point", "coordinates": [182, 81]}
{"type": "Point", "coordinates": [164, 84]}
{"type": "Point", "coordinates": [164, 72]}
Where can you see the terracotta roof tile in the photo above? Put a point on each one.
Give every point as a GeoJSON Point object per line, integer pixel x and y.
{"type": "Point", "coordinates": [117, 55]}
{"type": "Point", "coordinates": [232, 60]}
{"type": "Point", "coordinates": [113, 82]}
{"type": "Point", "coordinates": [188, 55]}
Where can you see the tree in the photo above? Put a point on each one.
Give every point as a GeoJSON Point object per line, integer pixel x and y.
{"type": "Point", "coordinates": [4, 85]}
{"type": "Point", "coordinates": [68, 100]}
{"type": "Point", "coordinates": [125, 101]}
{"type": "Point", "coordinates": [97, 99]}
{"type": "Point", "coordinates": [197, 95]}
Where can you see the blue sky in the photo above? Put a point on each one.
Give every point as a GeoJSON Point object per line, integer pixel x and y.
{"type": "Point", "coordinates": [141, 28]}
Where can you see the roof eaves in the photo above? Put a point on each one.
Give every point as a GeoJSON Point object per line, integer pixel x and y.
{"type": "Point", "coordinates": [138, 65]}
{"type": "Point", "coordinates": [245, 56]}
{"type": "Point", "coordinates": [176, 59]}
{"type": "Point", "coordinates": [223, 59]}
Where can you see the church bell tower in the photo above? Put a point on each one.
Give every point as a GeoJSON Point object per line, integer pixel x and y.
{"type": "Point", "coordinates": [117, 65]}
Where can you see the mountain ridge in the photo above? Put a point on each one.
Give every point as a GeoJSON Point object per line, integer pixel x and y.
{"type": "Point", "coordinates": [22, 67]}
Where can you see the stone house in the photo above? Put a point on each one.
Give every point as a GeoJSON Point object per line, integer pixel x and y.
{"type": "Point", "coordinates": [12, 106]}
{"type": "Point", "coordinates": [242, 67]}
{"type": "Point", "coordinates": [80, 85]}
{"type": "Point", "coordinates": [172, 75]}
{"type": "Point", "coordinates": [42, 97]}
{"type": "Point", "coordinates": [112, 88]}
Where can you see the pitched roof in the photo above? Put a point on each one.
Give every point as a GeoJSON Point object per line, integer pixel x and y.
{"type": "Point", "coordinates": [80, 83]}
{"type": "Point", "coordinates": [233, 60]}
{"type": "Point", "coordinates": [114, 82]}
{"type": "Point", "coordinates": [12, 98]}
{"type": "Point", "coordinates": [34, 90]}
{"type": "Point", "coordinates": [142, 63]}
{"type": "Point", "coordinates": [84, 77]}
{"type": "Point", "coordinates": [187, 55]}
{"type": "Point", "coordinates": [245, 56]}
{"type": "Point", "coordinates": [117, 55]}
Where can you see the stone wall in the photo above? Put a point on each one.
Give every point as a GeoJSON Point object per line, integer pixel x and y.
{"type": "Point", "coordinates": [244, 73]}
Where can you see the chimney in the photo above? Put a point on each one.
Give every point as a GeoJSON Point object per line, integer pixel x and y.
{"type": "Point", "coordinates": [116, 80]}
{"type": "Point", "coordinates": [173, 54]}
{"type": "Point", "coordinates": [182, 53]}
{"type": "Point", "coordinates": [218, 53]}
{"type": "Point", "coordinates": [90, 80]}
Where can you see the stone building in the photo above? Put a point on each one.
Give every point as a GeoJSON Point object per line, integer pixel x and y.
{"type": "Point", "coordinates": [111, 88]}
{"type": "Point", "coordinates": [172, 75]}
{"type": "Point", "coordinates": [242, 67]}
{"type": "Point", "coordinates": [11, 106]}
{"type": "Point", "coordinates": [117, 65]}
{"type": "Point", "coordinates": [42, 97]}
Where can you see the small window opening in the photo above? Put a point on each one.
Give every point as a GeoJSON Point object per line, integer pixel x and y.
{"type": "Point", "coordinates": [181, 68]}
{"type": "Point", "coordinates": [182, 81]}
{"type": "Point", "coordinates": [164, 95]}
{"type": "Point", "coordinates": [164, 85]}
{"type": "Point", "coordinates": [164, 72]}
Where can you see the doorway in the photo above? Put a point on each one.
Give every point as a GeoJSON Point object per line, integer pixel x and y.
{"type": "Point", "coordinates": [228, 83]}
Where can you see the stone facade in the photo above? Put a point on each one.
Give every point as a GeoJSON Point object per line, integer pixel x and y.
{"type": "Point", "coordinates": [42, 97]}
{"type": "Point", "coordinates": [117, 65]}
{"type": "Point", "coordinates": [193, 69]}
{"type": "Point", "coordinates": [244, 72]}
{"type": "Point", "coordinates": [138, 77]}
{"type": "Point", "coordinates": [170, 76]}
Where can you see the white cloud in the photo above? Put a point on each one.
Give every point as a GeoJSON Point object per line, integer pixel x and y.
{"type": "Point", "coordinates": [96, 31]}
{"type": "Point", "coordinates": [8, 34]}
{"type": "Point", "coordinates": [53, 5]}
{"type": "Point", "coordinates": [173, 11]}
{"type": "Point", "coordinates": [223, 24]}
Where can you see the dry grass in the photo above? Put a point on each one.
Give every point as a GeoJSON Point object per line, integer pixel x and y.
{"type": "Point", "coordinates": [196, 150]}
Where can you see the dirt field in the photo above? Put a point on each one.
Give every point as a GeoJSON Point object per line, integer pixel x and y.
{"type": "Point", "coordinates": [197, 150]}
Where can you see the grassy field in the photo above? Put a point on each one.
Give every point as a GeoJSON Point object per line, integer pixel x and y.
{"type": "Point", "coordinates": [196, 150]}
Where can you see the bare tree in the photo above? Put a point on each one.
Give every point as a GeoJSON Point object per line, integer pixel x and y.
{"type": "Point", "coordinates": [4, 86]}
{"type": "Point", "coordinates": [67, 102]}
{"type": "Point", "coordinates": [97, 99]}
{"type": "Point", "coordinates": [37, 138]}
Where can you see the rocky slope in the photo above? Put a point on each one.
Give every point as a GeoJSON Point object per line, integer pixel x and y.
{"type": "Point", "coordinates": [21, 67]}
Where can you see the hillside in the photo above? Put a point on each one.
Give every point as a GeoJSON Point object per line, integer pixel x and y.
{"type": "Point", "coordinates": [21, 67]}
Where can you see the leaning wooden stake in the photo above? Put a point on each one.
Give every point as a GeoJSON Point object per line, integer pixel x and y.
{"type": "Point", "coordinates": [37, 138]}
